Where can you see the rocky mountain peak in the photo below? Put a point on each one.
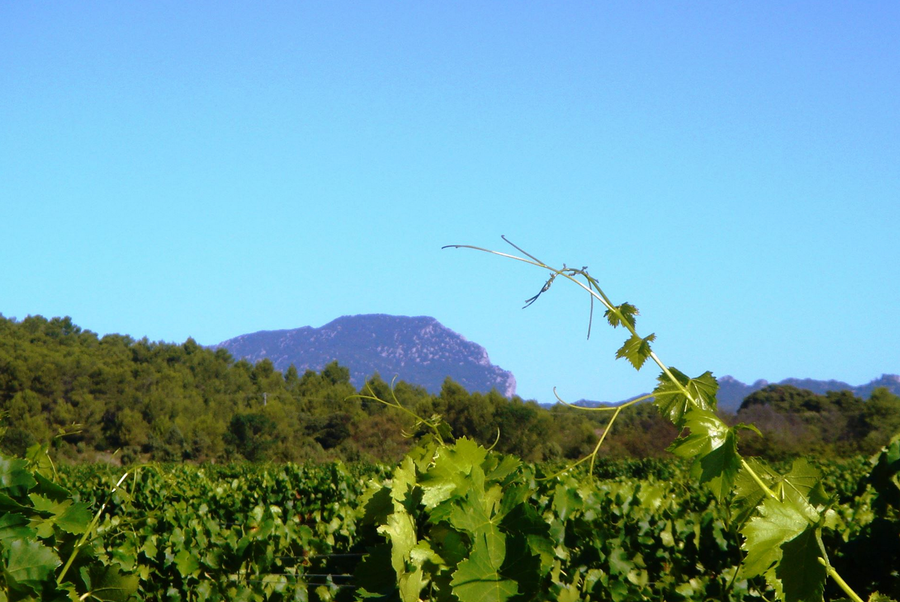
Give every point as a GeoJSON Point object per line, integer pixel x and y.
{"type": "Point", "coordinates": [419, 350]}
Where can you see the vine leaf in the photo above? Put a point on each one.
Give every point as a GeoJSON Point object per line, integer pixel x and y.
{"type": "Point", "coordinates": [802, 576]}
{"type": "Point", "coordinates": [30, 564]}
{"type": "Point", "coordinates": [75, 518]}
{"type": "Point", "coordinates": [14, 527]}
{"type": "Point", "coordinates": [801, 486]}
{"type": "Point", "coordinates": [885, 476]}
{"type": "Point", "coordinates": [456, 470]}
{"type": "Point", "coordinates": [107, 584]}
{"type": "Point", "coordinates": [713, 446]}
{"type": "Point", "coordinates": [776, 524]}
{"type": "Point", "coordinates": [478, 579]}
{"type": "Point", "coordinates": [401, 531]}
{"type": "Point", "coordinates": [415, 579]}
{"type": "Point", "coordinates": [719, 468]}
{"type": "Point", "coordinates": [375, 573]}
{"type": "Point", "coordinates": [623, 314]}
{"type": "Point", "coordinates": [404, 479]}
{"type": "Point", "coordinates": [707, 432]}
{"type": "Point", "coordinates": [523, 566]}
{"type": "Point", "coordinates": [186, 563]}
{"type": "Point", "coordinates": [15, 477]}
{"type": "Point", "coordinates": [49, 489]}
{"type": "Point", "coordinates": [636, 350]}
{"type": "Point", "coordinates": [671, 400]}
{"type": "Point", "coordinates": [747, 492]}
{"type": "Point", "coordinates": [474, 518]}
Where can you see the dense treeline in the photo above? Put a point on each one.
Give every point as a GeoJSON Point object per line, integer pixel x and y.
{"type": "Point", "coordinates": [797, 421]}
{"type": "Point", "coordinates": [170, 402]}
{"type": "Point", "coordinates": [137, 399]}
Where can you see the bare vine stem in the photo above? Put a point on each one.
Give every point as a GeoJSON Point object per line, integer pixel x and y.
{"type": "Point", "coordinates": [839, 580]}
{"type": "Point", "coordinates": [431, 424]}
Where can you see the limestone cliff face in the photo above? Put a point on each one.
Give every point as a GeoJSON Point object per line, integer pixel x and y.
{"type": "Point", "coordinates": [419, 350]}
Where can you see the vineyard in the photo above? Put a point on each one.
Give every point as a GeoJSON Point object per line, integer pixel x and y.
{"type": "Point", "coordinates": [456, 521]}
{"type": "Point", "coordinates": [634, 531]}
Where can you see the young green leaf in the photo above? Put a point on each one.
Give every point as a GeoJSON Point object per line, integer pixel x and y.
{"type": "Point", "coordinates": [404, 483]}
{"type": "Point", "coordinates": [624, 313]}
{"type": "Point", "coordinates": [636, 350]}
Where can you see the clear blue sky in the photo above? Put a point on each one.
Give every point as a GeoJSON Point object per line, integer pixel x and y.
{"type": "Point", "coordinates": [209, 169]}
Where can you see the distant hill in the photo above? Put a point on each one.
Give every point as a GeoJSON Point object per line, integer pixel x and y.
{"type": "Point", "coordinates": [732, 391]}
{"type": "Point", "coordinates": [422, 351]}
{"type": "Point", "coordinates": [418, 350]}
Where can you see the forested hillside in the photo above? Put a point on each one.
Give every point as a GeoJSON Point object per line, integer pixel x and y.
{"type": "Point", "coordinates": [123, 399]}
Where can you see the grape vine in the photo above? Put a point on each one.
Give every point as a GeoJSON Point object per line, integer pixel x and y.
{"type": "Point", "coordinates": [780, 516]}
